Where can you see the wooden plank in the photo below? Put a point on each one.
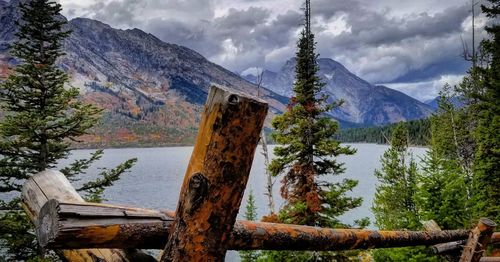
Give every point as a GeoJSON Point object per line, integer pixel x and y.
{"type": "Point", "coordinates": [216, 176]}
{"type": "Point", "coordinates": [51, 184]}
{"type": "Point", "coordinates": [62, 229]}
{"type": "Point", "coordinates": [478, 240]}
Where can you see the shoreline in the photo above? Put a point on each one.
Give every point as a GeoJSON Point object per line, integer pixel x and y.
{"type": "Point", "coordinates": [191, 145]}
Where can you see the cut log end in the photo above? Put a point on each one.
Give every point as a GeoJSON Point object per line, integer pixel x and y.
{"type": "Point", "coordinates": [48, 228]}
{"type": "Point", "coordinates": [488, 223]}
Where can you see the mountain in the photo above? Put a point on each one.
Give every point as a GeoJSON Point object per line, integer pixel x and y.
{"type": "Point", "coordinates": [364, 103]}
{"type": "Point", "coordinates": [456, 101]}
{"type": "Point", "coordinates": [152, 91]}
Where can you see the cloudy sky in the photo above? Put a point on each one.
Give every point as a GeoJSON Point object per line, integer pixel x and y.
{"type": "Point", "coordinates": [413, 46]}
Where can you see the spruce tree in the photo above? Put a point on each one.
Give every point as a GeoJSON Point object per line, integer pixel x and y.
{"type": "Point", "coordinates": [487, 113]}
{"type": "Point", "coordinates": [394, 204]}
{"type": "Point", "coordinates": [307, 147]}
{"type": "Point", "coordinates": [43, 115]}
{"type": "Point", "coordinates": [250, 215]}
{"type": "Point", "coordinates": [445, 189]}
{"type": "Point", "coordinates": [307, 150]}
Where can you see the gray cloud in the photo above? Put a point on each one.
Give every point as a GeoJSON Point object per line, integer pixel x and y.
{"type": "Point", "coordinates": [383, 42]}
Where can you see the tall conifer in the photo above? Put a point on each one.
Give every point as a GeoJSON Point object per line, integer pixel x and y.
{"type": "Point", "coordinates": [487, 113]}
{"type": "Point", "coordinates": [42, 116]}
{"type": "Point", "coordinates": [307, 148]}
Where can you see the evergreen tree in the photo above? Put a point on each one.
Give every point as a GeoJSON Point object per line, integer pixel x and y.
{"type": "Point", "coordinates": [250, 215]}
{"type": "Point", "coordinates": [486, 111]}
{"type": "Point", "coordinates": [307, 148]}
{"type": "Point", "coordinates": [394, 204]}
{"type": "Point", "coordinates": [42, 117]}
{"type": "Point", "coordinates": [445, 182]}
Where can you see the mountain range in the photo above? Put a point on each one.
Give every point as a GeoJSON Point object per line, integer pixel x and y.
{"type": "Point", "coordinates": [364, 103]}
{"type": "Point", "coordinates": [153, 92]}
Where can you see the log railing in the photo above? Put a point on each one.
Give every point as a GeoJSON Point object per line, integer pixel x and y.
{"type": "Point", "coordinates": [53, 186]}
{"type": "Point", "coordinates": [76, 225]}
{"type": "Point", "coordinates": [204, 225]}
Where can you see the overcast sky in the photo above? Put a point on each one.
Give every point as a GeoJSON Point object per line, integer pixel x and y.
{"type": "Point", "coordinates": [411, 45]}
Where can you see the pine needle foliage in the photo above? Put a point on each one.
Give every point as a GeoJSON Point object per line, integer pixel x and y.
{"type": "Point", "coordinates": [42, 117]}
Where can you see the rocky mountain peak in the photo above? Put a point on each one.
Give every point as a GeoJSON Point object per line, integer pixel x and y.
{"type": "Point", "coordinates": [364, 103]}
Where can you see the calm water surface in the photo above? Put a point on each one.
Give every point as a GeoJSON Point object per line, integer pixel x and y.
{"type": "Point", "coordinates": [155, 180]}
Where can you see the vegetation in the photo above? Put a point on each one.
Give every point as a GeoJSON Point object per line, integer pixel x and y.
{"type": "Point", "coordinates": [394, 204]}
{"type": "Point", "coordinates": [250, 215]}
{"type": "Point", "coordinates": [486, 111]}
{"type": "Point", "coordinates": [418, 133]}
{"type": "Point", "coordinates": [460, 175]}
{"type": "Point", "coordinates": [42, 117]}
{"type": "Point", "coordinates": [307, 152]}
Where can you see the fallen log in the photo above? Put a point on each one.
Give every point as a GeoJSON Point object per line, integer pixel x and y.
{"type": "Point", "coordinates": [86, 225]}
{"type": "Point", "coordinates": [216, 177]}
{"type": "Point", "coordinates": [478, 240]}
{"type": "Point", "coordinates": [51, 184]}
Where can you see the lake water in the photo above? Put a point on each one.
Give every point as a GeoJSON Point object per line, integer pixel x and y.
{"type": "Point", "coordinates": [154, 182]}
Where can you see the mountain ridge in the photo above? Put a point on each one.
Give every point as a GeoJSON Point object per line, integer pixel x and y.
{"type": "Point", "coordinates": [152, 91]}
{"type": "Point", "coordinates": [364, 103]}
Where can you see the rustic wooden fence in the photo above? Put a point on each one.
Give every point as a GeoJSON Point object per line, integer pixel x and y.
{"type": "Point", "coordinates": [204, 225]}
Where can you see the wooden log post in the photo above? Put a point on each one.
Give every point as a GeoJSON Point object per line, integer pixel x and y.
{"type": "Point", "coordinates": [51, 184]}
{"type": "Point", "coordinates": [478, 240]}
{"type": "Point", "coordinates": [86, 225]}
{"type": "Point", "coordinates": [216, 177]}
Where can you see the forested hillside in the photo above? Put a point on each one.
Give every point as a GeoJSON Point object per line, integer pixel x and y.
{"type": "Point", "coordinates": [418, 133]}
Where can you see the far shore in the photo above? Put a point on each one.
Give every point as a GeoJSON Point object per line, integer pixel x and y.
{"type": "Point", "coordinates": [131, 146]}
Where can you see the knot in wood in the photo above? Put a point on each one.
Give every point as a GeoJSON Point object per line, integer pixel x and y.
{"type": "Point", "coordinates": [197, 193]}
{"type": "Point", "coordinates": [232, 99]}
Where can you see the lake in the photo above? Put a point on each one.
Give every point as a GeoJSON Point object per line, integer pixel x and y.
{"type": "Point", "coordinates": [155, 180]}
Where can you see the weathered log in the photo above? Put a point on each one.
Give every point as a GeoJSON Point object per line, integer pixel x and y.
{"type": "Point", "coordinates": [85, 225]}
{"type": "Point", "coordinates": [455, 245]}
{"type": "Point", "coordinates": [478, 240]}
{"type": "Point", "coordinates": [69, 225]}
{"type": "Point", "coordinates": [51, 184]}
{"type": "Point", "coordinates": [216, 177]}
{"type": "Point", "coordinates": [442, 248]}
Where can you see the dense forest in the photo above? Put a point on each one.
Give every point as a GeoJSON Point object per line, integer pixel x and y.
{"type": "Point", "coordinates": [418, 133]}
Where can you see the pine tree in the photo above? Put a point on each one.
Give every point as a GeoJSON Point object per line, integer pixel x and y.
{"type": "Point", "coordinates": [486, 110]}
{"type": "Point", "coordinates": [42, 117]}
{"type": "Point", "coordinates": [394, 204]}
{"type": "Point", "coordinates": [308, 149]}
{"type": "Point", "coordinates": [250, 215]}
{"type": "Point", "coordinates": [445, 182]}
